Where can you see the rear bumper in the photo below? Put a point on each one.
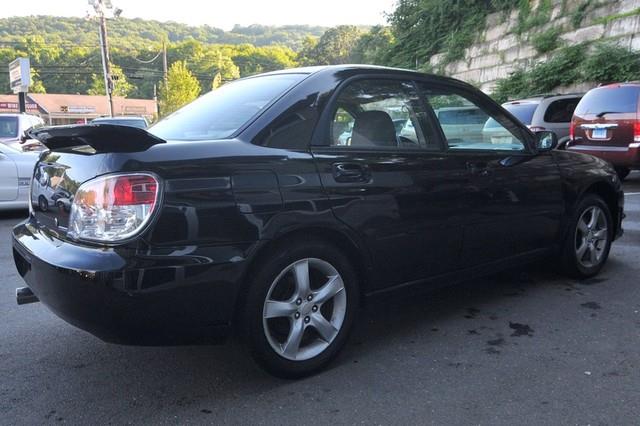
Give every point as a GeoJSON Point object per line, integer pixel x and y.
{"type": "Point", "coordinates": [619, 156]}
{"type": "Point", "coordinates": [172, 296]}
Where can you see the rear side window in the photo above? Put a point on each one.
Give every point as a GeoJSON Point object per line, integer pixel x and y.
{"type": "Point", "coordinates": [561, 111]}
{"type": "Point", "coordinates": [222, 112]}
{"type": "Point", "coordinates": [618, 99]}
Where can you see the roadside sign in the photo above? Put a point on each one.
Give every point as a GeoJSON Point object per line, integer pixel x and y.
{"type": "Point", "coordinates": [20, 75]}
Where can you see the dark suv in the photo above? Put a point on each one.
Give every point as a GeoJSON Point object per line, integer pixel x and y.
{"type": "Point", "coordinates": [278, 202]}
{"type": "Point", "coordinates": [606, 124]}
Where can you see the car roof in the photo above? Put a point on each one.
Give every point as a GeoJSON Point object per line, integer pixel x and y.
{"type": "Point", "coordinates": [119, 117]}
{"type": "Point", "coordinates": [360, 67]}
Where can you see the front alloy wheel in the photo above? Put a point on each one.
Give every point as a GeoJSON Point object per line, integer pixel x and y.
{"type": "Point", "coordinates": [592, 237]}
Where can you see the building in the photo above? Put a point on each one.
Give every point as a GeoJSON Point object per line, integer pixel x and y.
{"type": "Point", "coordinates": [78, 109]}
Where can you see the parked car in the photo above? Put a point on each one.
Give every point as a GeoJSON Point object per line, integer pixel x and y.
{"type": "Point", "coordinates": [606, 123]}
{"type": "Point", "coordinates": [16, 169]}
{"type": "Point", "coordinates": [123, 120]}
{"type": "Point", "coordinates": [244, 211]}
{"type": "Point", "coordinates": [547, 112]}
{"type": "Point", "coordinates": [13, 128]}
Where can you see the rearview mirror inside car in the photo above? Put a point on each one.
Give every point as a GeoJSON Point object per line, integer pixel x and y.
{"type": "Point", "coordinates": [546, 141]}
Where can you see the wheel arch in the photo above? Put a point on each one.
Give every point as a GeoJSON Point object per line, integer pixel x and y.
{"type": "Point", "coordinates": [609, 195]}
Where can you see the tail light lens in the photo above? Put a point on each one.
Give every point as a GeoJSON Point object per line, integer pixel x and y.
{"type": "Point", "coordinates": [636, 131]}
{"type": "Point", "coordinates": [572, 130]}
{"type": "Point", "coordinates": [113, 208]}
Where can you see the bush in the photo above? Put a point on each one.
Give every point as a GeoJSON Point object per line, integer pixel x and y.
{"type": "Point", "coordinates": [575, 64]}
{"type": "Point", "coordinates": [546, 41]}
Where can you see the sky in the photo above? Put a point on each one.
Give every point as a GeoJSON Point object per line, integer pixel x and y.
{"type": "Point", "coordinates": [223, 14]}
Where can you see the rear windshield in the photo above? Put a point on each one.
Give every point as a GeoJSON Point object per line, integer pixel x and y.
{"type": "Point", "coordinates": [221, 112]}
{"type": "Point", "coordinates": [141, 124]}
{"type": "Point", "coordinates": [609, 99]}
{"type": "Point", "coordinates": [523, 112]}
{"type": "Point", "coordinates": [8, 127]}
{"type": "Point", "coordinates": [462, 116]}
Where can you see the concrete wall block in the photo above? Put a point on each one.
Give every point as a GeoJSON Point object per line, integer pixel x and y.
{"type": "Point", "coordinates": [635, 42]}
{"type": "Point", "coordinates": [436, 59]}
{"type": "Point", "coordinates": [489, 60]}
{"type": "Point", "coordinates": [581, 35]}
{"type": "Point", "coordinates": [497, 31]}
{"type": "Point", "coordinates": [625, 6]}
{"type": "Point", "coordinates": [469, 76]}
{"type": "Point", "coordinates": [506, 42]}
{"type": "Point", "coordinates": [623, 26]}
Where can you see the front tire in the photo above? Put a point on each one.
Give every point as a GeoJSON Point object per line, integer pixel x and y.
{"type": "Point", "coordinates": [300, 308]}
{"type": "Point", "coordinates": [588, 241]}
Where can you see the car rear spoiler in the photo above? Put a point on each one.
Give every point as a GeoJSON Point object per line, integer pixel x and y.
{"type": "Point", "coordinates": [101, 137]}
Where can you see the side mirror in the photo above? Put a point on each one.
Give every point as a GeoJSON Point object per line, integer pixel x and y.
{"type": "Point", "coordinates": [546, 141]}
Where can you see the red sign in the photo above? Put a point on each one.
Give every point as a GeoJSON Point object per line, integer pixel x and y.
{"type": "Point", "coordinates": [16, 106]}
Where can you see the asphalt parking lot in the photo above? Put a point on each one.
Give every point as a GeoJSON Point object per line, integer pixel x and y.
{"type": "Point", "coordinates": [524, 347]}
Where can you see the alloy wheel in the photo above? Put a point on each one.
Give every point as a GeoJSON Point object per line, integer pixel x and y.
{"type": "Point", "coordinates": [304, 309]}
{"type": "Point", "coordinates": [592, 237]}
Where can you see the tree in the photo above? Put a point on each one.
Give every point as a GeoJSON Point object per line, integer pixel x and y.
{"type": "Point", "coordinates": [121, 87]}
{"type": "Point", "coordinates": [334, 47]}
{"type": "Point", "coordinates": [181, 88]}
{"type": "Point", "coordinates": [373, 47]}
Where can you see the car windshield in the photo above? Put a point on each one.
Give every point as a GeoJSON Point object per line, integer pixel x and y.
{"type": "Point", "coordinates": [616, 99]}
{"type": "Point", "coordinates": [523, 112]}
{"type": "Point", "coordinates": [8, 127]}
{"type": "Point", "coordinates": [221, 112]}
{"type": "Point", "coordinates": [131, 123]}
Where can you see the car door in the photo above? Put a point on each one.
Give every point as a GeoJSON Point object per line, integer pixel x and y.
{"type": "Point", "coordinates": [8, 176]}
{"type": "Point", "coordinates": [383, 170]}
{"type": "Point", "coordinates": [518, 203]}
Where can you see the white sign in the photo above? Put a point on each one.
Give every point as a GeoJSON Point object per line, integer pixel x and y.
{"type": "Point", "coordinates": [20, 75]}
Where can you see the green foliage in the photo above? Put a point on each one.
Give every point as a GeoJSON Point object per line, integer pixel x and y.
{"type": "Point", "coordinates": [608, 63]}
{"type": "Point", "coordinates": [334, 47]}
{"type": "Point", "coordinates": [606, 19]}
{"type": "Point", "coordinates": [546, 41]}
{"type": "Point", "coordinates": [121, 87]}
{"type": "Point", "coordinates": [575, 64]}
{"type": "Point", "coordinates": [528, 18]}
{"type": "Point", "coordinates": [181, 88]}
{"type": "Point", "coordinates": [578, 15]}
{"type": "Point", "coordinates": [373, 46]}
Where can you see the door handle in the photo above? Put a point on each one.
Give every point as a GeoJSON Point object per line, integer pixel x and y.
{"type": "Point", "coordinates": [478, 168]}
{"type": "Point", "coordinates": [350, 172]}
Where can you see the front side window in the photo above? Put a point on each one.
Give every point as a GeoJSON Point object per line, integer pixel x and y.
{"type": "Point", "coordinates": [467, 125]}
{"type": "Point", "coordinates": [383, 114]}
{"type": "Point", "coordinates": [222, 112]}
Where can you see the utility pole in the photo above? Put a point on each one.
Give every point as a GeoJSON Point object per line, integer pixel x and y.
{"type": "Point", "coordinates": [164, 63]}
{"type": "Point", "coordinates": [100, 7]}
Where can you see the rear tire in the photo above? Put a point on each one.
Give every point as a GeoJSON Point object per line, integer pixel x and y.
{"type": "Point", "coordinates": [623, 172]}
{"type": "Point", "coordinates": [588, 240]}
{"type": "Point", "coordinates": [300, 308]}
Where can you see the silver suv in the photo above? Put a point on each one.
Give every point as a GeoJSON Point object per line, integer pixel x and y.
{"type": "Point", "coordinates": [12, 128]}
{"type": "Point", "coordinates": [544, 112]}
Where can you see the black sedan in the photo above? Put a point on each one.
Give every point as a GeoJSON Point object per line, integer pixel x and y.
{"type": "Point", "coordinates": [251, 209]}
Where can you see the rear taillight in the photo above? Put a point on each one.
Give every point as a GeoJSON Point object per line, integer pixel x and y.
{"type": "Point", "coordinates": [572, 130]}
{"type": "Point", "coordinates": [113, 208]}
{"type": "Point", "coordinates": [636, 131]}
